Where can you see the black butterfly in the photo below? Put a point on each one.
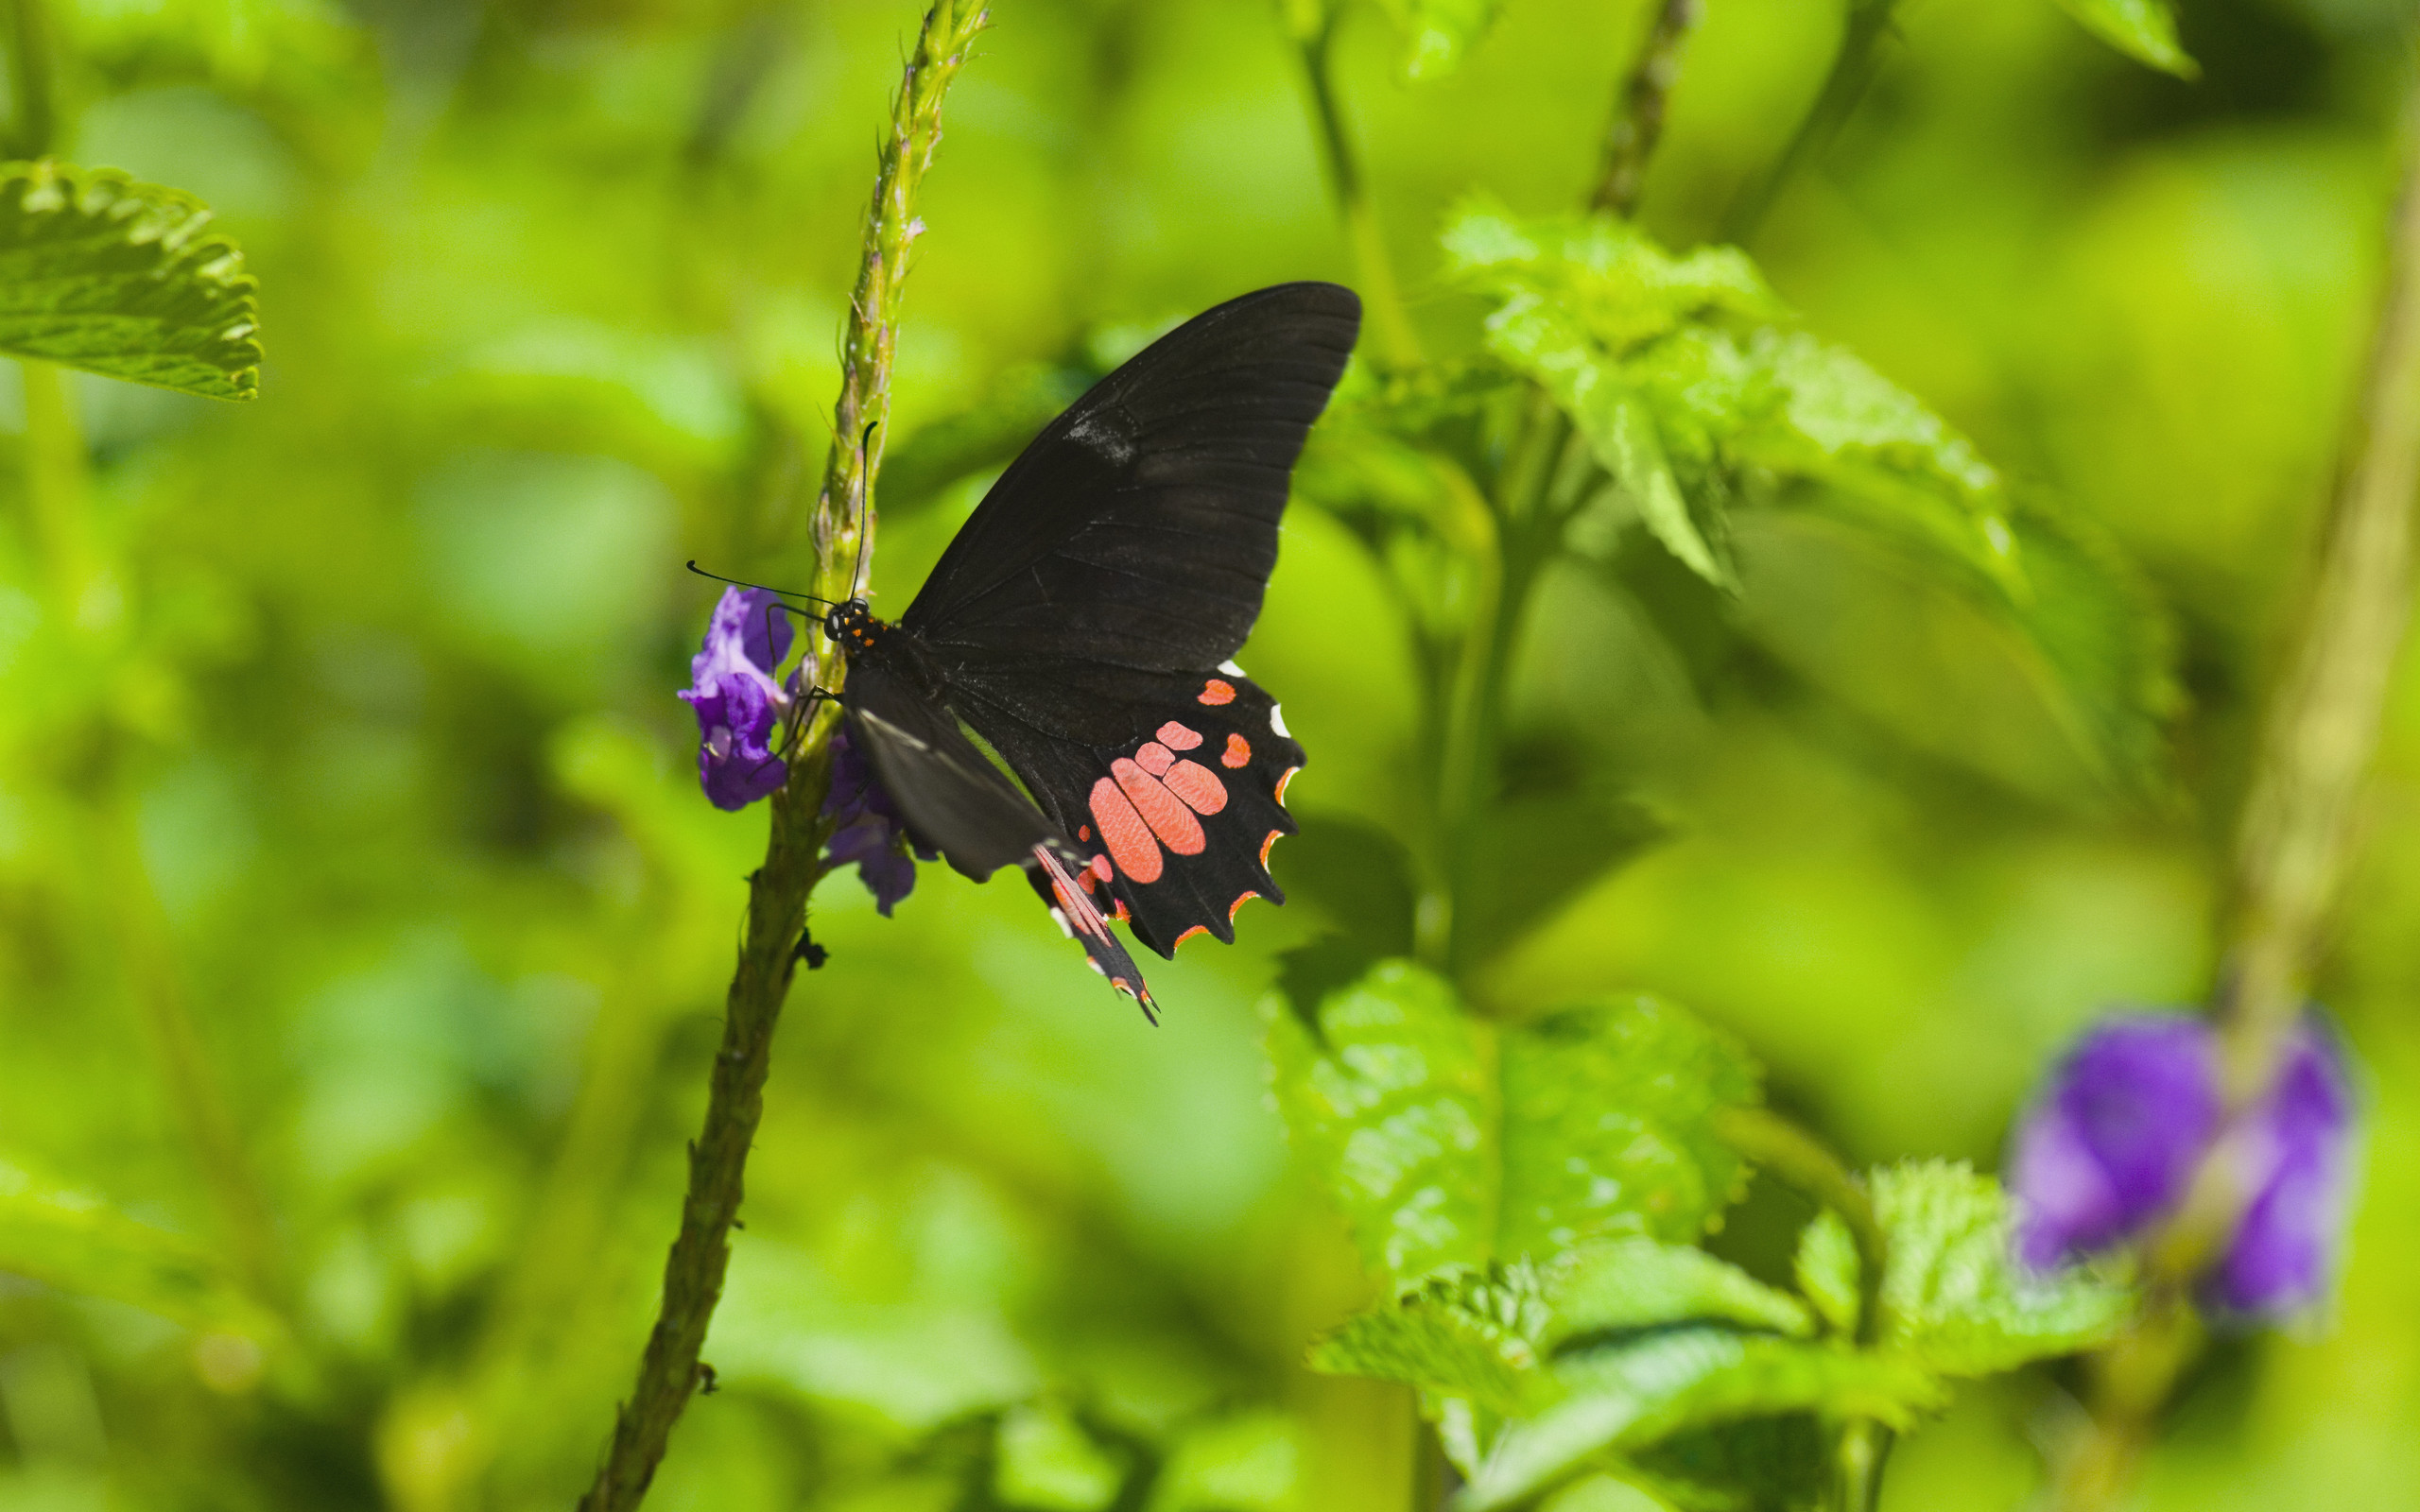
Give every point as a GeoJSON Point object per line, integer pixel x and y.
{"type": "Point", "coordinates": [1082, 625]}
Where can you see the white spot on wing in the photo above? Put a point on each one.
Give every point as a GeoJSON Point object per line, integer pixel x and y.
{"type": "Point", "coordinates": [1059, 917]}
{"type": "Point", "coordinates": [1277, 721]}
{"type": "Point", "coordinates": [1231, 669]}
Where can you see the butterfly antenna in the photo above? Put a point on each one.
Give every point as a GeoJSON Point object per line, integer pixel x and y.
{"type": "Point", "coordinates": [865, 505]}
{"type": "Point", "coordinates": [767, 588]}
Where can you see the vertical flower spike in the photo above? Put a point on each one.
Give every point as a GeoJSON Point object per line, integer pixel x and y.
{"type": "Point", "coordinates": [2111, 1144]}
{"type": "Point", "coordinates": [867, 830]}
{"type": "Point", "coordinates": [2110, 1147]}
{"type": "Point", "coordinates": [2286, 1244]}
{"type": "Point", "coordinates": [736, 700]}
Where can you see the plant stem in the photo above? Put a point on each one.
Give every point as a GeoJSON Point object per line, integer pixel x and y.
{"type": "Point", "coordinates": [1638, 123]}
{"type": "Point", "coordinates": [1853, 66]}
{"type": "Point", "coordinates": [37, 120]}
{"type": "Point", "coordinates": [2296, 839]}
{"type": "Point", "coordinates": [1380, 294]}
{"type": "Point", "coordinates": [777, 893]}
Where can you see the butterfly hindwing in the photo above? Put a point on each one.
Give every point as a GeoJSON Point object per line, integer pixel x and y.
{"type": "Point", "coordinates": [1177, 818]}
{"type": "Point", "coordinates": [953, 798]}
{"type": "Point", "coordinates": [1140, 526]}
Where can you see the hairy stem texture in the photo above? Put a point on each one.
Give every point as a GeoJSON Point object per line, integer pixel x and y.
{"type": "Point", "coordinates": [1638, 118]}
{"type": "Point", "coordinates": [693, 1273]}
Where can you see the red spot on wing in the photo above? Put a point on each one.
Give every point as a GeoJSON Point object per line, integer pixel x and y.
{"type": "Point", "coordinates": [1100, 868]}
{"type": "Point", "coordinates": [1198, 786]}
{"type": "Point", "coordinates": [1169, 818]}
{"type": "Point", "coordinates": [1176, 737]}
{"type": "Point", "coordinates": [1198, 929]}
{"type": "Point", "coordinates": [1083, 832]}
{"type": "Point", "coordinates": [1155, 758]}
{"type": "Point", "coordinates": [1123, 831]}
{"type": "Point", "coordinates": [1216, 692]}
{"type": "Point", "coordinates": [1238, 751]}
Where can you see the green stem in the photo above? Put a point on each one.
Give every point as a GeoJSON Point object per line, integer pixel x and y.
{"type": "Point", "coordinates": [1380, 294]}
{"type": "Point", "coordinates": [30, 76]}
{"type": "Point", "coordinates": [2297, 837]}
{"type": "Point", "coordinates": [668, 1370]}
{"type": "Point", "coordinates": [1852, 67]}
{"type": "Point", "coordinates": [1638, 123]}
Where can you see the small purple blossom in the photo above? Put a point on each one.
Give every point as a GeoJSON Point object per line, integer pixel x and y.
{"type": "Point", "coordinates": [736, 700]}
{"type": "Point", "coordinates": [866, 830]}
{"type": "Point", "coordinates": [2112, 1144]}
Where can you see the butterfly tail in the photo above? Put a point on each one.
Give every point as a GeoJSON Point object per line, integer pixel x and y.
{"type": "Point", "coordinates": [1072, 907]}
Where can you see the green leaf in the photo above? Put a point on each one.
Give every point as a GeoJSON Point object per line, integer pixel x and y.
{"type": "Point", "coordinates": [2144, 30]}
{"type": "Point", "coordinates": [1827, 1271]}
{"type": "Point", "coordinates": [1440, 32]}
{"type": "Point", "coordinates": [78, 1242]}
{"type": "Point", "coordinates": [1537, 851]}
{"type": "Point", "coordinates": [114, 277]}
{"type": "Point", "coordinates": [1250, 1463]}
{"type": "Point", "coordinates": [1632, 1396]}
{"type": "Point", "coordinates": [1755, 1464]}
{"type": "Point", "coordinates": [1448, 1143]}
{"type": "Point", "coordinates": [1046, 1460]}
{"type": "Point", "coordinates": [1954, 1297]}
{"type": "Point", "coordinates": [1638, 1283]}
{"type": "Point", "coordinates": [1469, 1334]}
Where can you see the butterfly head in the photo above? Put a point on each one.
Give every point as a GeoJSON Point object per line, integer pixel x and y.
{"type": "Point", "coordinates": [854, 626]}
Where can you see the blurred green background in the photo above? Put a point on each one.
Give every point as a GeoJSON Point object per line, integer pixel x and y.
{"type": "Point", "coordinates": [364, 764]}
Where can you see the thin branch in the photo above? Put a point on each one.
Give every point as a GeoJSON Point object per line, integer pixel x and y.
{"type": "Point", "coordinates": [1381, 293]}
{"type": "Point", "coordinates": [2297, 838]}
{"type": "Point", "coordinates": [693, 1273]}
{"type": "Point", "coordinates": [1852, 67]}
{"type": "Point", "coordinates": [1638, 121]}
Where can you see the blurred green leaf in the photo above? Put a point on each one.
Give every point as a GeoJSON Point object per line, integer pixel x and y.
{"type": "Point", "coordinates": [1470, 1333]}
{"type": "Point", "coordinates": [1448, 1143]}
{"type": "Point", "coordinates": [1537, 851]}
{"type": "Point", "coordinates": [1638, 1283]}
{"type": "Point", "coordinates": [1630, 1396]}
{"type": "Point", "coordinates": [1359, 873]}
{"type": "Point", "coordinates": [2142, 29]}
{"type": "Point", "coordinates": [1440, 32]}
{"type": "Point", "coordinates": [1826, 1269]}
{"type": "Point", "coordinates": [114, 277]}
{"type": "Point", "coordinates": [300, 51]}
{"type": "Point", "coordinates": [78, 1242]}
{"type": "Point", "coordinates": [1777, 1464]}
{"type": "Point", "coordinates": [1248, 1463]}
{"type": "Point", "coordinates": [1954, 1297]}
{"type": "Point", "coordinates": [1046, 1460]}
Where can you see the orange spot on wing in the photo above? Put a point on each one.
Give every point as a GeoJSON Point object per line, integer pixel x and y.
{"type": "Point", "coordinates": [1238, 751]}
{"type": "Point", "coordinates": [1123, 831]}
{"type": "Point", "coordinates": [1176, 737]}
{"type": "Point", "coordinates": [1169, 818]}
{"type": "Point", "coordinates": [1216, 692]}
{"type": "Point", "coordinates": [1198, 786]}
{"type": "Point", "coordinates": [1237, 907]}
{"type": "Point", "coordinates": [1198, 929]}
{"type": "Point", "coordinates": [1274, 836]}
{"type": "Point", "coordinates": [1283, 780]}
{"type": "Point", "coordinates": [1155, 758]}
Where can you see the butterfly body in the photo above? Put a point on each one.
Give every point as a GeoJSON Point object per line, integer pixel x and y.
{"type": "Point", "coordinates": [1081, 623]}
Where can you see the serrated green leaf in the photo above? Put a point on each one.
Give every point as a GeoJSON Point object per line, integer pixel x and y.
{"type": "Point", "coordinates": [1953, 1297]}
{"type": "Point", "coordinates": [1044, 1459]}
{"type": "Point", "coordinates": [1779, 1464]}
{"type": "Point", "coordinates": [79, 1243]}
{"type": "Point", "coordinates": [114, 277]}
{"type": "Point", "coordinates": [1827, 1271]}
{"type": "Point", "coordinates": [1439, 33]}
{"type": "Point", "coordinates": [2144, 30]}
{"type": "Point", "coordinates": [1450, 1143]}
{"type": "Point", "coordinates": [1638, 1283]}
{"type": "Point", "coordinates": [1609, 1126]}
{"type": "Point", "coordinates": [1466, 1334]}
{"type": "Point", "coordinates": [1632, 1396]}
{"type": "Point", "coordinates": [1605, 273]}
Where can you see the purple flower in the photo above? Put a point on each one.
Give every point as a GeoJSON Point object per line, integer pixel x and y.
{"type": "Point", "coordinates": [736, 700]}
{"type": "Point", "coordinates": [867, 831]}
{"type": "Point", "coordinates": [2111, 1144]}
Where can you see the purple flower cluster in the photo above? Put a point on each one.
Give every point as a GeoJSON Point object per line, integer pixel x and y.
{"type": "Point", "coordinates": [2112, 1144]}
{"type": "Point", "coordinates": [739, 704]}
{"type": "Point", "coordinates": [736, 700]}
{"type": "Point", "coordinates": [866, 830]}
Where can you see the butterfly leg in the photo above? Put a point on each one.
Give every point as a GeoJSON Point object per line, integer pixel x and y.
{"type": "Point", "coordinates": [1080, 919]}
